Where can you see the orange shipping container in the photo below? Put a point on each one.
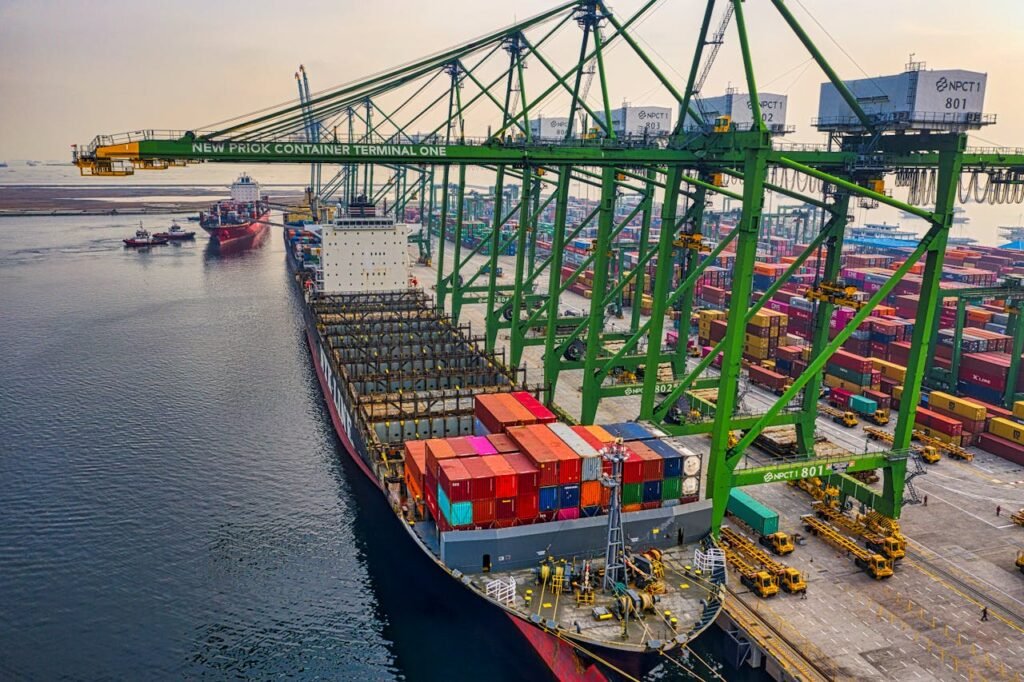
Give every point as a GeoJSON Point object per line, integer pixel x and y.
{"type": "Point", "coordinates": [415, 466]}
{"type": "Point", "coordinates": [601, 434]}
{"type": "Point", "coordinates": [523, 416]}
{"type": "Point", "coordinates": [590, 494]}
{"type": "Point", "coordinates": [536, 450]}
{"type": "Point", "coordinates": [438, 449]}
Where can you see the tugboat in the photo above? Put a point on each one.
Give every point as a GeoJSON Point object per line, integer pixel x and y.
{"type": "Point", "coordinates": [144, 238]}
{"type": "Point", "coordinates": [176, 233]}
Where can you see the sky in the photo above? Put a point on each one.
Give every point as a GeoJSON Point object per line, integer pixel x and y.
{"type": "Point", "coordinates": [70, 70]}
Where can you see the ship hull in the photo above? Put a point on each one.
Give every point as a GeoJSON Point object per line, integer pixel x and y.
{"type": "Point", "coordinates": [229, 238]}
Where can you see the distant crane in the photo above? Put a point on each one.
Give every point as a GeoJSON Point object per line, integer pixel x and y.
{"type": "Point", "coordinates": [716, 44]}
{"type": "Point", "coordinates": [312, 129]}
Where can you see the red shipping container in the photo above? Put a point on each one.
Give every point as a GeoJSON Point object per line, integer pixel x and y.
{"type": "Point", "coordinates": [504, 509]}
{"type": "Point", "coordinates": [502, 442]}
{"type": "Point", "coordinates": [591, 439]}
{"type": "Point", "coordinates": [840, 397]}
{"type": "Point", "coordinates": [505, 478]}
{"type": "Point", "coordinates": [497, 412]}
{"type": "Point", "coordinates": [483, 512]}
{"type": "Point", "coordinates": [454, 480]}
{"type": "Point", "coordinates": [851, 361]}
{"type": "Point", "coordinates": [542, 414]}
{"type": "Point", "coordinates": [653, 466]}
{"type": "Point", "coordinates": [527, 507]}
{"type": "Point", "coordinates": [527, 474]}
{"type": "Point", "coordinates": [879, 397]}
{"type": "Point", "coordinates": [462, 447]}
{"type": "Point", "coordinates": [481, 484]}
{"type": "Point", "coordinates": [994, 381]}
{"type": "Point", "coordinates": [632, 467]}
{"type": "Point", "coordinates": [1002, 447]}
{"type": "Point", "coordinates": [537, 451]}
{"type": "Point", "coordinates": [937, 422]}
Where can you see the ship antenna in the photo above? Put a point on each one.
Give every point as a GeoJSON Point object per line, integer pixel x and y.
{"type": "Point", "coordinates": [614, 558]}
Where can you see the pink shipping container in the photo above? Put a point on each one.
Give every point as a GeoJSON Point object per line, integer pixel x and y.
{"type": "Point", "coordinates": [482, 445]}
{"type": "Point", "coordinates": [542, 414]}
{"type": "Point", "coordinates": [568, 514]}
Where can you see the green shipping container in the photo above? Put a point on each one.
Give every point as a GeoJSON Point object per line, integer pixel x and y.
{"type": "Point", "coordinates": [859, 378]}
{"type": "Point", "coordinates": [672, 488]}
{"type": "Point", "coordinates": [632, 493]}
{"type": "Point", "coordinates": [763, 520]}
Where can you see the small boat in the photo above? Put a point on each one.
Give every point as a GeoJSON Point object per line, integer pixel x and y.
{"type": "Point", "coordinates": [176, 233]}
{"type": "Point", "coordinates": [144, 238]}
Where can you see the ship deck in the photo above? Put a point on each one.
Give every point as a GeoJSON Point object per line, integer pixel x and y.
{"type": "Point", "coordinates": [684, 598]}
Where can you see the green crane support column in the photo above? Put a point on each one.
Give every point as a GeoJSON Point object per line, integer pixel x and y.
{"type": "Point", "coordinates": [595, 327]}
{"type": "Point", "coordinates": [491, 333]}
{"type": "Point", "coordinates": [1015, 326]}
{"type": "Point", "coordinates": [645, 236]}
{"type": "Point", "coordinates": [719, 471]}
{"type": "Point", "coordinates": [536, 209]}
{"type": "Point", "coordinates": [662, 280]}
{"type": "Point", "coordinates": [692, 260]}
{"type": "Point", "coordinates": [551, 359]}
{"type": "Point", "coordinates": [822, 322]}
{"type": "Point", "coordinates": [950, 162]}
{"type": "Point", "coordinates": [453, 279]}
{"type": "Point", "coordinates": [442, 230]}
{"type": "Point", "coordinates": [517, 333]}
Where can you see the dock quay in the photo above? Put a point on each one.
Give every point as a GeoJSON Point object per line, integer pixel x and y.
{"type": "Point", "coordinates": [921, 624]}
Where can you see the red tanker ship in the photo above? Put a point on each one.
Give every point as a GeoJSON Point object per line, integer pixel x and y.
{"type": "Point", "coordinates": [239, 222]}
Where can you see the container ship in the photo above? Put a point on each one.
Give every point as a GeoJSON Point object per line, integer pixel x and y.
{"type": "Point", "coordinates": [592, 540]}
{"type": "Point", "coordinates": [240, 222]}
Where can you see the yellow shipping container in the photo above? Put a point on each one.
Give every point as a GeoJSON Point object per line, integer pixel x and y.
{"type": "Point", "coordinates": [897, 392]}
{"type": "Point", "coordinates": [1004, 428]}
{"type": "Point", "coordinates": [958, 406]}
{"type": "Point", "coordinates": [761, 319]}
{"type": "Point", "coordinates": [757, 341]}
{"type": "Point", "coordinates": [890, 370]}
{"type": "Point", "coordinates": [835, 382]}
{"type": "Point", "coordinates": [759, 353]}
{"type": "Point", "coordinates": [710, 315]}
{"type": "Point", "coordinates": [1018, 409]}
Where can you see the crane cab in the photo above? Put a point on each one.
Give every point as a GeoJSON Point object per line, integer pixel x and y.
{"type": "Point", "coordinates": [723, 124]}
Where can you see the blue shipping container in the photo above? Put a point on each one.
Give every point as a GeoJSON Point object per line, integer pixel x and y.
{"type": "Point", "coordinates": [983, 393]}
{"type": "Point", "coordinates": [652, 491]}
{"type": "Point", "coordinates": [443, 504]}
{"type": "Point", "coordinates": [548, 498]}
{"type": "Point", "coordinates": [570, 496]}
{"type": "Point", "coordinates": [628, 431]}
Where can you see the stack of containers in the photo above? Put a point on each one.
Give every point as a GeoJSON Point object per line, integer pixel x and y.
{"type": "Point", "coordinates": [1004, 438]}
{"type": "Point", "coordinates": [762, 335]}
{"type": "Point", "coordinates": [506, 489]}
{"type": "Point", "coordinates": [527, 509]}
{"type": "Point", "coordinates": [589, 497]}
{"type": "Point", "coordinates": [672, 471]}
{"type": "Point", "coordinates": [704, 320]}
{"type": "Point", "coordinates": [984, 376]}
{"type": "Point", "coordinates": [971, 415]}
{"type": "Point", "coordinates": [538, 412]}
{"type": "Point", "coordinates": [594, 497]}
{"type": "Point", "coordinates": [851, 372]}
{"type": "Point", "coordinates": [415, 466]}
{"type": "Point", "coordinates": [499, 411]}
{"type": "Point", "coordinates": [454, 496]}
{"type": "Point", "coordinates": [801, 317]}
{"type": "Point", "coordinates": [938, 426]}
{"type": "Point", "coordinates": [534, 442]}
{"type": "Point", "coordinates": [652, 473]}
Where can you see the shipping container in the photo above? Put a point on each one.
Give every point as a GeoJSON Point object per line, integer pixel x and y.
{"type": "Point", "coordinates": [760, 518]}
{"type": "Point", "coordinates": [505, 478]}
{"type": "Point", "coordinates": [653, 463]}
{"type": "Point", "coordinates": [462, 447]}
{"type": "Point", "coordinates": [438, 449]}
{"type": "Point", "coordinates": [482, 445]}
{"type": "Point", "coordinates": [548, 498]}
{"type": "Point", "coordinates": [673, 459]}
{"type": "Point", "coordinates": [652, 491]}
{"type": "Point", "coordinates": [502, 442]}
{"type": "Point", "coordinates": [568, 513]}
{"type": "Point", "coordinates": [590, 494]}
{"type": "Point", "coordinates": [569, 495]}
{"type": "Point", "coordinates": [672, 488]}
{"type": "Point", "coordinates": [959, 406]}
{"type": "Point", "coordinates": [628, 431]}
{"type": "Point", "coordinates": [481, 484]}
{"type": "Point", "coordinates": [527, 473]}
{"type": "Point", "coordinates": [454, 480]}
{"type": "Point", "coordinates": [1001, 447]}
{"type": "Point", "coordinates": [632, 493]}
{"type": "Point", "coordinates": [539, 412]}
{"type": "Point", "coordinates": [1008, 429]}
{"type": "Point", "coordinates": [505, 509]}
{"type": "Point", "coordinates": [527, 508]}
{"type": "Point", "coordinates": [533, 442]}
{"type": "Point", "coordinates": [484, 512]}
{"type": "Point", "coordinates": [415, 466]}
{"type": "Point", "coordinates": [496, 415]}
